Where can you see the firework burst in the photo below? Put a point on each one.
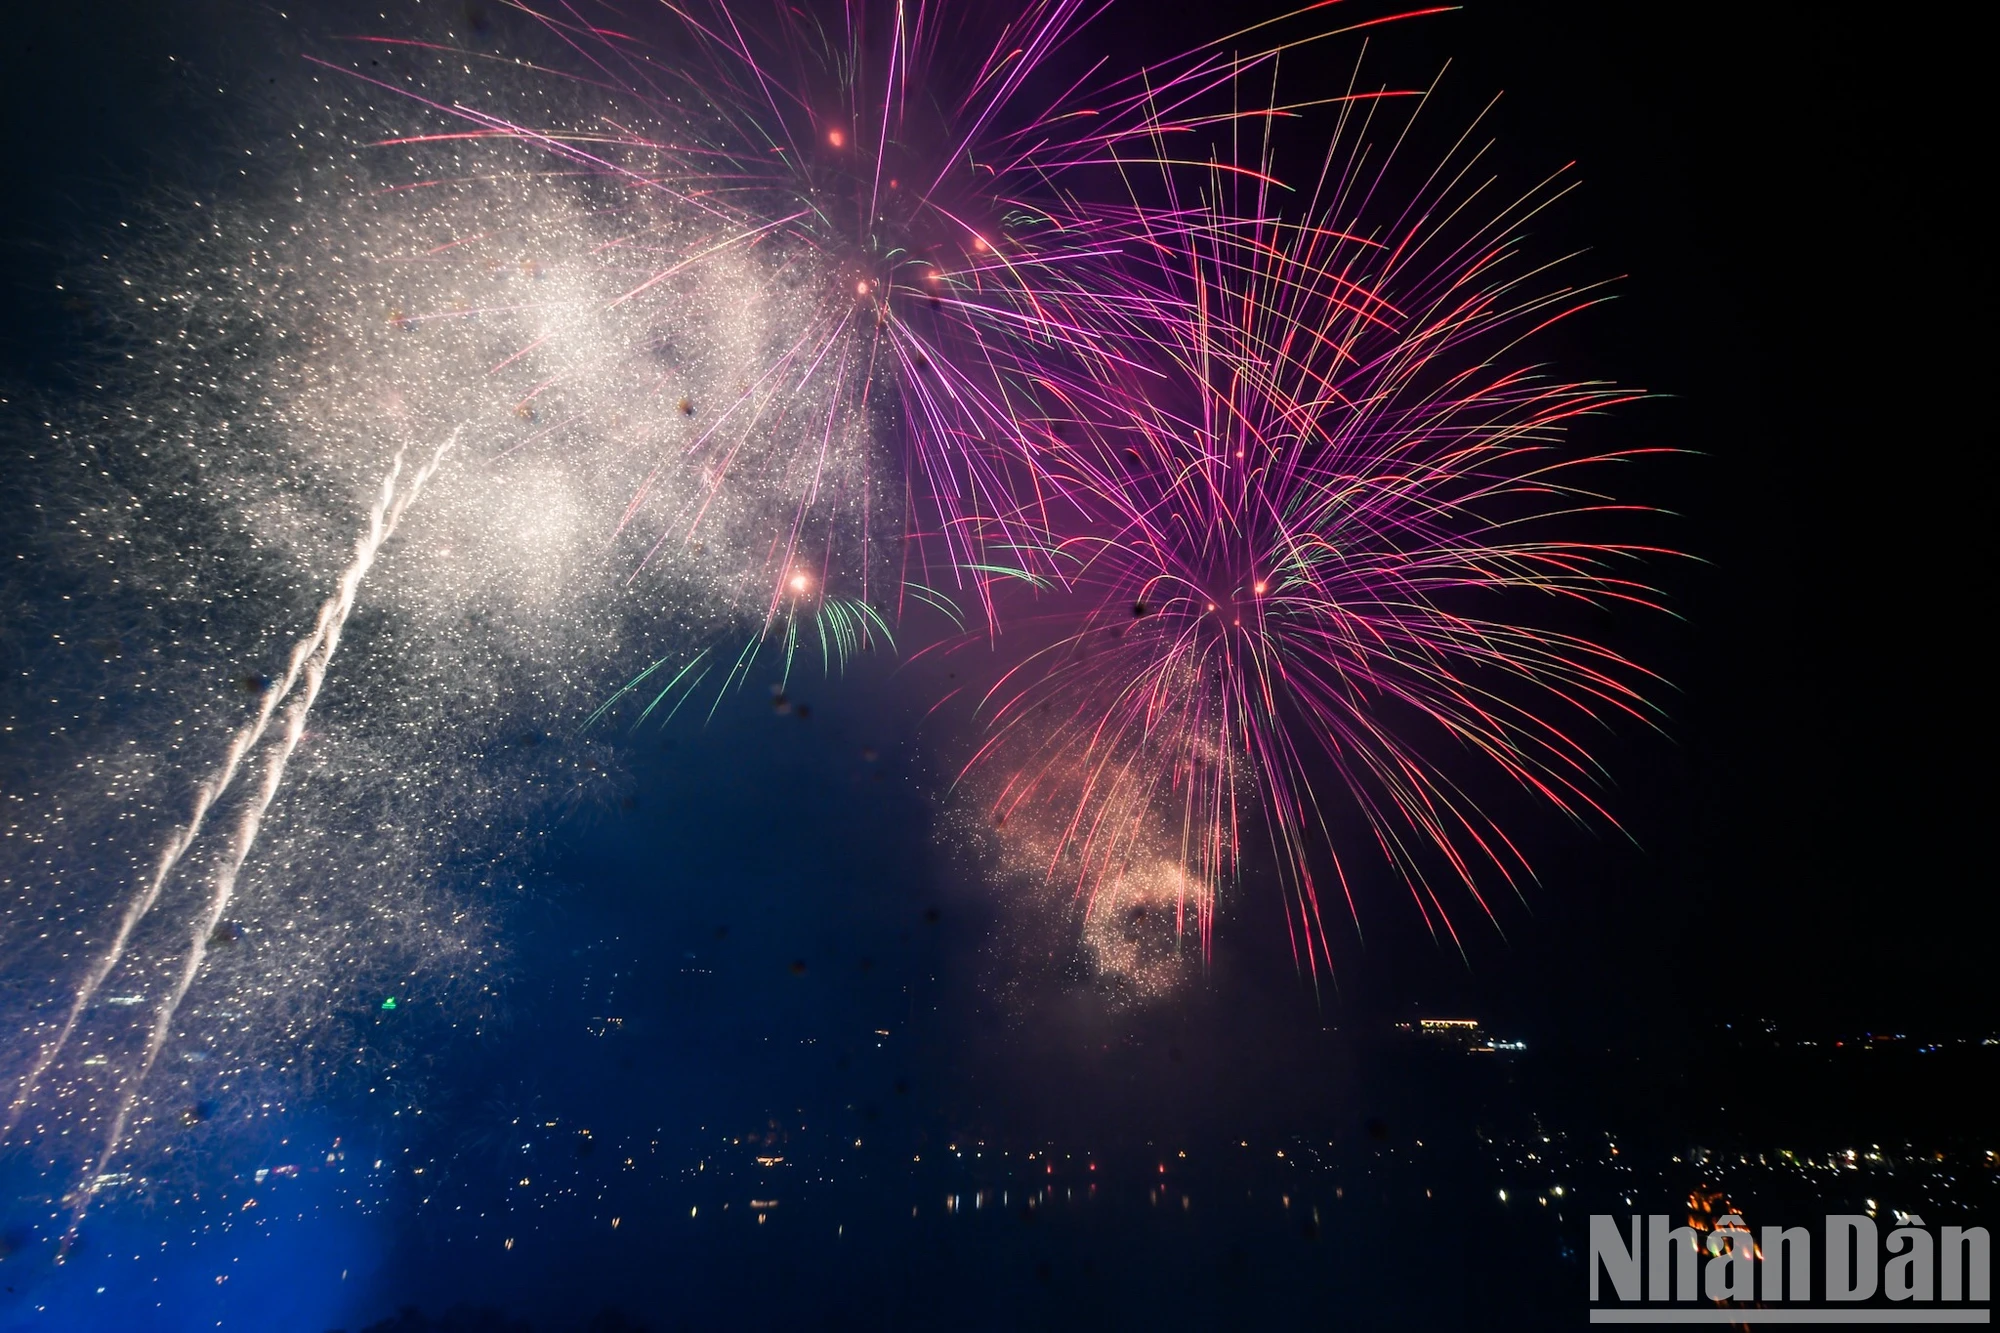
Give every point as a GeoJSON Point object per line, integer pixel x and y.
{"type": "Point", "coordinates": [920, 285]}
{"type": "Point", "coordinates": [1331, 543]}
{"type": "Point", "coordinates": [944, 208]}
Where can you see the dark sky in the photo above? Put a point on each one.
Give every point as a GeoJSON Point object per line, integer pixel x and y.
{"type": "Point", "coordinates": [1788, 194]}
{"type": "Point", "coordinates": [1788, 197]}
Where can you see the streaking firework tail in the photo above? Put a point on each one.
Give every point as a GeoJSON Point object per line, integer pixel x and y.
{"type": "Point", "coordinates": [1331, 545]}
{"type": "Point", "coordinates": [307, 661]}
{"type": "Point", "coordinates": [308, 675]}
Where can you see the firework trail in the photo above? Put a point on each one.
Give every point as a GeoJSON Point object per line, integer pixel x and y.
{"type": "Point", "coordinates": [307, 667]}
{"type": "Point", "coordinates": [308, 658]}
{"type": "Point", "coordinates": [1285, 555]}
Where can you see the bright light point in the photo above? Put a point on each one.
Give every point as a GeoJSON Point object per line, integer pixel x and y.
{"type": "Point", "coordinates": [979, 242]}
{"type": "Point", "coordinates": [836, 138]}
{"type": "Point", "coordinates": [800, 583]}
{"type": "Point", "coordinates": [861, 288]}
{"type": "Point", "coordinates": [1259, 589]}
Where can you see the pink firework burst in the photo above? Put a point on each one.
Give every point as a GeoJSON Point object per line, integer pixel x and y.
{"type": "Point", "coordinates": [1332, 544]}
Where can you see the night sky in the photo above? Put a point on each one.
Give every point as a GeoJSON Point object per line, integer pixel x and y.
{"type": "Point", "coordinates": [769, 939]}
